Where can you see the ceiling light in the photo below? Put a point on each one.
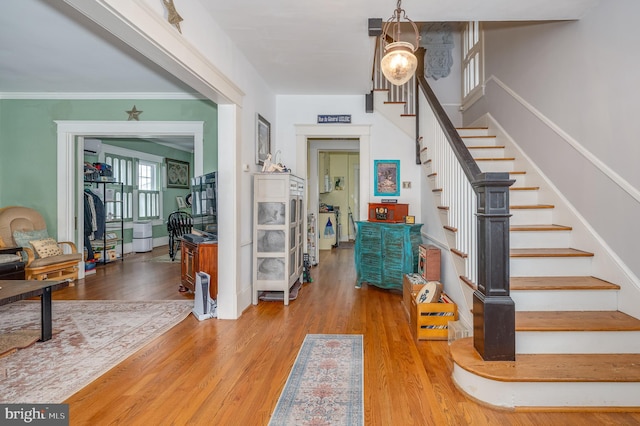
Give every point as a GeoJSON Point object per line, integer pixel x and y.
{"type": "Point", "coordinates": [399, 62]}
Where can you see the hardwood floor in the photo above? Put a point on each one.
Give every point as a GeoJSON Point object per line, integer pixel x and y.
{"type": "Point", "coordinates": [221, 372]}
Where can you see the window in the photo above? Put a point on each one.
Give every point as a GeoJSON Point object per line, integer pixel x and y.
{"type": "Point", "coordinates": [472, 67]}
{"type": "Point", "coordinates": [148, 190]}
{"type": "Point", "coordinates": [122, 168]}
{"type": "Point", "coordinates": [140, 174]}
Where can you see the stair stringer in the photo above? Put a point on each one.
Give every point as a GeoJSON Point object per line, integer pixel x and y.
{"type": "Point", "coordinates": [605, 263]}
{"type": "Point", "coordinates": [394, 113]}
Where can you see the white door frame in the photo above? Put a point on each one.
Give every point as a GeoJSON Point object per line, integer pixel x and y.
{"type": "Point", "coordinates": [70, 186]}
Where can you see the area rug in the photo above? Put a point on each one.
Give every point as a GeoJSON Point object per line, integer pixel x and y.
{"type": "Point", "coordinates": [94, 336]}
{"type": "Point", "coordinates": [19, 339]}
{"type": "Point", "coordinates": [278, 296]}
{"type": "Point", "coordinates": [325, 386]}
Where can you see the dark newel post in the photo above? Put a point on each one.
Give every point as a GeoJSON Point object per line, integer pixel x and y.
{"type": "Point", "coordinates": [493, 309]}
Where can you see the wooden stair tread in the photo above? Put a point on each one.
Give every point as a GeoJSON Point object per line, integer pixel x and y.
{"type": "Point", "coordinates": [531, 206]}
{"type": "Point", "coordinates": [517, 172]}
{"type": "Point", "coordinates": [549, 367]}
{"type": "Point", "coordinates": [496, 159]}
{"type": "Point", "coordinates": [576, 321]}
{"type": "Point", "coordinates": [552, 227]}
{"type": "Point", "coordinates": [486, 147]}
{"type": "Point", "coordinates": [560, 283]}
{"type": "Point", "coordinates": [524, 188]}
{"type": "Point", "coordinates": [549, 252]}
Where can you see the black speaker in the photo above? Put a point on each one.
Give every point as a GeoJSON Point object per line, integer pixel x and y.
{"type": "Point", "coordinates": [368, 102]}
{"type": "Point", "coordinates": [375, 27]}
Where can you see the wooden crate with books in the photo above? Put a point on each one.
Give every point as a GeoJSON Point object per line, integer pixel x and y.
{"type": "Point", "coordinates": [428, 308]}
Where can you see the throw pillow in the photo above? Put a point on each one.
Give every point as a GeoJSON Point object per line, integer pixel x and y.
{"type": "Point", "coordinates": [22, 238]}
{"type": "Point", "coordinates": [46, 248]}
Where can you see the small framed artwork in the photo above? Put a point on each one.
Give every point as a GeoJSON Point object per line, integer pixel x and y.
{"type": "Point", "coordinates": [177, 174]}
{"type": "Point", "coordinates": [181, 203]}
{"type": "Point", "coordinates": [410, 219]}
{"type": "Point", "coordinates": [263, 139]}
{"type": "Point", "coordinates": [386, 178]}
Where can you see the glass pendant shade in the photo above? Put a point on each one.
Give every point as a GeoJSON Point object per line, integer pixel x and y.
{"type": "Point", "coordinates": [399, 63]}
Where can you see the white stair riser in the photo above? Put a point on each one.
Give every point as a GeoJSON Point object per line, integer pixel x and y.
{"type": "Point", "coordinates": [496, 166]}
{"type": "Point", "coordinates": [523, 198]}
{"type": "Point", "coordinates": [528, 239]}
{"type": "Point", "coordinates": [565, 300]}
{"type": "Point", "coordinates": [460, 264]}
{"type": "Point", "coordinates": [473, 132]}
{"type": "Point", "coordinates": [444, 217]}
{"type": "Point", "coordinates": [550, 266]}
{"type": "Point", "coordinates": [393, 113]}
{"type": "Point", "coordinates": [531, 216]}
{"type": "Point", "coordinates": [451, 238]}
{"type": "Point", "coordinates": [487, 153]}
{"type": "Point", "coordinates": [577, 342]}
{"type": "Point", "coordinates": [520, 180]}
{"type": "Point", "coordinates": [545, 394]}
{"type": "Point", "coordinates": [471, 141]}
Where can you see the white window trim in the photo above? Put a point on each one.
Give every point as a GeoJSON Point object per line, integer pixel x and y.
{"type": "Point", "coordinates": [137, 155]}
{"type": "Point", "coordinates": [477, 92]}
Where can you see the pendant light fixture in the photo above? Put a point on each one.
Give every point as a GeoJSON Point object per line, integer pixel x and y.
{"type": "Point", "coordinates": [399, 62]}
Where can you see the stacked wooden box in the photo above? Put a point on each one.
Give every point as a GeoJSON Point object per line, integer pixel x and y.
{"type": "Point", "coordinates": [428, 321]}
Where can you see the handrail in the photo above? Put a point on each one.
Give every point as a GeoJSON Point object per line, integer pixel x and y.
{"type": "Point", "coordinates": [469, 165]}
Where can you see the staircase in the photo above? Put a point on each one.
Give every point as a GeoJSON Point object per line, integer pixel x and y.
{"type": "Point", "coordinates": [574, 348]}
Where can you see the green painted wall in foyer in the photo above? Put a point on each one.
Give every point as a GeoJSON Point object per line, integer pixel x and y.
{"type": "Point", "coordinates": [28, 141]}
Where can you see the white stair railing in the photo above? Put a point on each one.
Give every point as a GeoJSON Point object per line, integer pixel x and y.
{"type": "Point", "coordinates": [405, 93]}
{"type": "Point", "coordinates": [457, 194]}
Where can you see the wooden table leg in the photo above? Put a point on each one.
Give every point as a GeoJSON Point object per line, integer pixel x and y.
{"type": "Point", "coordinates": [45, 314]}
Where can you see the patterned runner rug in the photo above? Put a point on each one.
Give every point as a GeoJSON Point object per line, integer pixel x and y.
{"type": "Point", "coordinates": [94, 336]}
{"type": "Point", "coordinates": [325, 386]}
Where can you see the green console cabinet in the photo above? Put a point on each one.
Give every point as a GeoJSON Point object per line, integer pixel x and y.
{"type": "Point", "coordinates": [384, 252]}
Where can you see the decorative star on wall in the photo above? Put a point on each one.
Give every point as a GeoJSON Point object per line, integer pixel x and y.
{"type": "Point", "coordinates": [134, 114]}
{"type": "Point", "coordinates": [173, 17]}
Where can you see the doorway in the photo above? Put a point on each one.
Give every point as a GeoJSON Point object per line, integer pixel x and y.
{"type": "Point", "coordinates": [70, 147]}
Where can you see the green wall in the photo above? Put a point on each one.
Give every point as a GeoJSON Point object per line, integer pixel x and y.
{"type": "Point", "coordinates": [28, 139]}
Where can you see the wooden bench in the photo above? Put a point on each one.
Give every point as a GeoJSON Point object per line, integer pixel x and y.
{"type": "Point", "coordinates": [15, 290]}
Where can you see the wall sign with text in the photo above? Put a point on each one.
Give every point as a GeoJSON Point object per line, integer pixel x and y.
{"type": "Point", "coordinates": [335, 119]}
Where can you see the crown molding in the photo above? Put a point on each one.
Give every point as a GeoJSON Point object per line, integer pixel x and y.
{"type": "Point", "coordinates": [101, 95]}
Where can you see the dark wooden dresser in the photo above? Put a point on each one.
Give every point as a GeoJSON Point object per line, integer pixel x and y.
{"type": "Point", "coordinates": [199, 257]}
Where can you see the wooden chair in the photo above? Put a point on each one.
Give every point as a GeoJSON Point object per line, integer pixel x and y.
{"type": "Point", "coordinates": [57, 267]}
{"type": "Point", "coordinates": [178, 224]}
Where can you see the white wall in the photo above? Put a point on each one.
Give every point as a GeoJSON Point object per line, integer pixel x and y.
{"type": "Point", "coordinates": [448, 89]}
{"type": "Point", "coordinates": [386, 141]}
{"type": "Point", "coordinates": [206, 58]}
{"type": "Point", "coordinates": [579, 79]}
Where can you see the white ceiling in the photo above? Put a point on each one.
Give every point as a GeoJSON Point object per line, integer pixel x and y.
{"type": "Point", "coordinates": [298, 46]}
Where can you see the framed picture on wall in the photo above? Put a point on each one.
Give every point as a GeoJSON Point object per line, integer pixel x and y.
{"type": "Point", "coordinates": [263, 139]}
{"type": "Point", "coordinates": [386, 178]}
{"type": "Point", "coordinates": [177, 174]}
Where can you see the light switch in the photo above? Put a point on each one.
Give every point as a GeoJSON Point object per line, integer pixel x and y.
{"type": "Point", "coordinates": [406, 185]}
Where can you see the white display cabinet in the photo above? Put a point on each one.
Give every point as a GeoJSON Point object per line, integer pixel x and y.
{"type": "Point", "coordinates": [278, 232]}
